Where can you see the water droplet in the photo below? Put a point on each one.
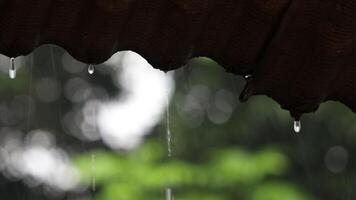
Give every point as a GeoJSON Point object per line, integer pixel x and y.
{"type": "Point", "coordinates": [248, 76]}
{"type": "Point", "coordinates": [297, 126]}
{"type": "Point", "coordinates": [91, 69]}
{"type": "Point", "coordinates": [12, 69]}
{"type": "Point", "coordinates": [169, 194]}
{"type": "Point", "coordinates": [93, 180]}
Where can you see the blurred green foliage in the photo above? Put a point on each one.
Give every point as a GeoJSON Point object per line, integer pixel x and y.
{"type": "Point", "coordinates": [230, 173]}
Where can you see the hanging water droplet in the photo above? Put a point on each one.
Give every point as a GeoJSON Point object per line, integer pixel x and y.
{"type": "Point", "coordinates": [91, 69]}
{"type": "Point", "coordinates": [12, 69]}
{"type": "Point", "coordinates": [297, 126]}
{"type": "Point", "coordinates": [248, 76]}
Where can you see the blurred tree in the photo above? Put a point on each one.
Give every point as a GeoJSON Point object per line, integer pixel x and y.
{"type": "Point", "coordinates": [227, 174]}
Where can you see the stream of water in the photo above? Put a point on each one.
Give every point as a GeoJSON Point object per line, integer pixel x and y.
{"type": "Point", "coordinates": [169, 192]}
{"type": "Point", "coordinates": [93, 177]}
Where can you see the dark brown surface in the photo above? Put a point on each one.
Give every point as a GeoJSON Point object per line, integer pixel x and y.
{"type": "Point", "coordinates": [300, 52]}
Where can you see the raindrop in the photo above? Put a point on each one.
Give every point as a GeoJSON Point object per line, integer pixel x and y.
{"type": "Point", "coordinates": [297, 126]}
{"type": "Point", "coordinates": [93, 180]}
{"type": "Point", "coordinates": [12, 69]}
{"type": "Point", "coordinates": [91, 69]}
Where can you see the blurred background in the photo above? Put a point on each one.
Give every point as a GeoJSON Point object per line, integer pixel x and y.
{"type": "Point", "coordinates": [131, 132]}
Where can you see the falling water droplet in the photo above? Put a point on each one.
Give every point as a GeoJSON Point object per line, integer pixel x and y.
{"type": "Point", "coordinates": [91, 69]}
{"type": "Point", "coordinates": [12, 69]}
{"type": "Point", "coordinates": [169, 194]}
{"type": "Point", "coordinates": [297, 126]}
{"type": "Point", "coordinates": [93, 180]}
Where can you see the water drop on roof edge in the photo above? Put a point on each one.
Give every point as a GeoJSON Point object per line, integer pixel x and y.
{"type": "Point", "coordinates": [91, 69]}
{"type": "Point", "coordinates": [297, 126]}
{"type": "Point", "coordinates": [12, 69]}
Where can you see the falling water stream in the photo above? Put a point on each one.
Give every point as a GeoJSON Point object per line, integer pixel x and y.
{"type": "Point", "coordinates": [168, 132]}
{"type": "Point", "coordinates": [93, 176]}
{"type": "Point", "coordinates": [93, 162]}
{"type": "Point", "coordinates": [169, 192]}
{"type": "Point", "coordinates": [169, 195]}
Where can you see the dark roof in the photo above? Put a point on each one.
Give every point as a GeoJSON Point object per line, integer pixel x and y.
{"type": "Point", "coordinates": [300, 52]}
